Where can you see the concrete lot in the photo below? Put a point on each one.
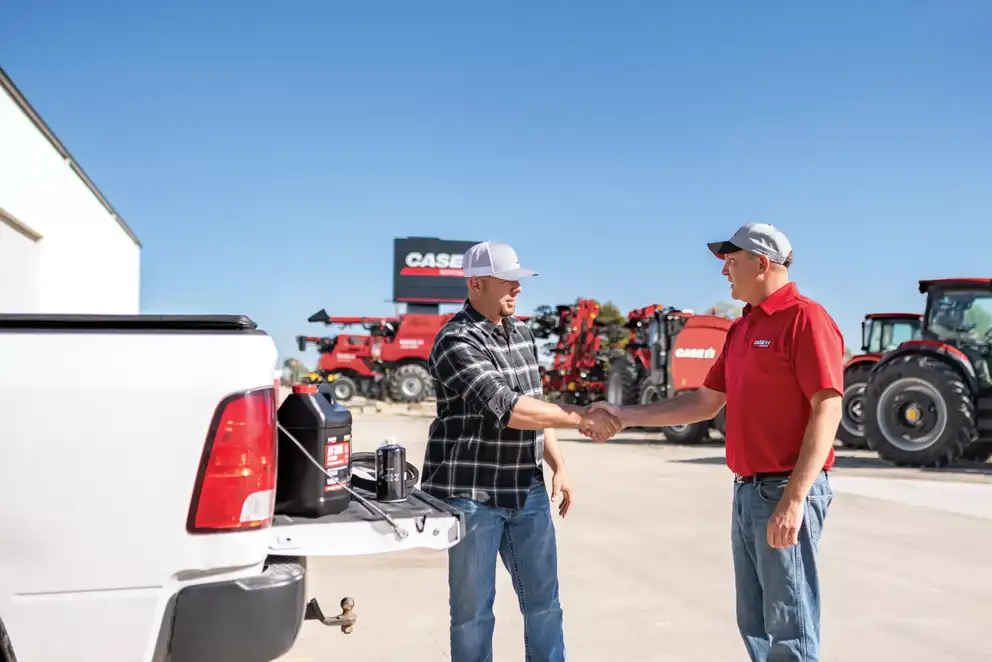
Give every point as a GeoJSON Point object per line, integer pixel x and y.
{"type": "Point", "coordinates": [646, 571]}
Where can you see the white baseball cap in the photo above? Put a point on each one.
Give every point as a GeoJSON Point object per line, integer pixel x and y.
{"type": "Point", "coordinates": [491, 258]}
{"type": "Point", "coordinates": [757, 238]}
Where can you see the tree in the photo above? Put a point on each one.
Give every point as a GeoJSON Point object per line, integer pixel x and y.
{"type": "Point", "coordinates": [293, 371]}
{"type": "Point", "coordinates": [611, 317]}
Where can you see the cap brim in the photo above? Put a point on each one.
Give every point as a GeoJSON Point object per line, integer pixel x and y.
{"type": "Point", "coordinates": [722, 248]}
{"type": "Point", "coordinates": [515, 274]}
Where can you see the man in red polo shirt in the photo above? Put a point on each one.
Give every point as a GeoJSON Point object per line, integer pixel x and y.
{"type": "Point", "coordinates": [780, 376]}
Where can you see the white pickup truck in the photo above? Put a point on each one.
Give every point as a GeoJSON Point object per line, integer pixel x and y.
{"type": "Point", "coordinates": [137, 482]}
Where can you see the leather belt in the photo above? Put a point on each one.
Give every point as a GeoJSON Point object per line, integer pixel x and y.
{"type": "Point", "coordinates": [754, 479]}
{"type": "Point", "coordinates": [758, 477]}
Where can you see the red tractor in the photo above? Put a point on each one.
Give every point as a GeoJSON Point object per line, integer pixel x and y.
{"type": "Point", "coordinates": [929, 401]}
{"type": "Point", "coordinates": [391, 361]}
{"type": "Point", "coordinates": [576, 375]}
{"type": "Point", "coordinates": [670, 352]}
{"type": "Point", "coordinates": [880, 333]}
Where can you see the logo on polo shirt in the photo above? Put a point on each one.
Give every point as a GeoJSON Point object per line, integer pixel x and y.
{"type": "Point", "coordinates": [762, 343]}
{"type": "Point", "coordinates": [695, 353]}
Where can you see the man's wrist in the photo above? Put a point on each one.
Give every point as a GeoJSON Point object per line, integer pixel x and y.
{"type": "Point", "coordinates": [622, 415]}
{"type": "Point", "coordinates": [792, 499]}
{"type": "Point", "coordinates": [794, 492]}
{"type": "Point", "coordinates": [576, 414]}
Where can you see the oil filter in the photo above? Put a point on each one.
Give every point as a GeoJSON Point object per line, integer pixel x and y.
{"type": "Point", "coordinates": [390, 473]}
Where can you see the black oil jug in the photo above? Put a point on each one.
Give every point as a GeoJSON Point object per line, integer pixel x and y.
{"type": "Point", "coordinates": [323, 428]}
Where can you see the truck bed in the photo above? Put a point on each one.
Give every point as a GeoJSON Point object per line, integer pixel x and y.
{"type": "Point", "coordinates": [422, 520]}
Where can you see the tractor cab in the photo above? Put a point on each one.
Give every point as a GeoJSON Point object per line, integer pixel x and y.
{"type": "Point", "coordinates": [664, 326]}
{"type": "Point", "coordinates": [959, 314]}
{"type": "Point", "coordinates": [883, 332]}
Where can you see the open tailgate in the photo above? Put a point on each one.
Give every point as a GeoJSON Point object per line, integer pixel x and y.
{"type": "Point", "coordinates": [419, 522]}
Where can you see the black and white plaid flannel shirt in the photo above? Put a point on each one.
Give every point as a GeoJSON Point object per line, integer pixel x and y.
{"type": "Point", "coordinates": [480, 370]}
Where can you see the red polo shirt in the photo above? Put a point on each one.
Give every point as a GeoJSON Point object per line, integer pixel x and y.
{"type": "Point", "coordinates": [776, 357]}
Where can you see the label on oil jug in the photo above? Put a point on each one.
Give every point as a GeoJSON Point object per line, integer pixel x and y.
{"type": "Point", "coordinates": [337, 453]}
{"type": "Point", "coordinates": [337, 456]}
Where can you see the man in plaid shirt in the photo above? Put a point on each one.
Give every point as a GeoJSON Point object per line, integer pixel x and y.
{"type": "Point", "coordinates": [485, 455]}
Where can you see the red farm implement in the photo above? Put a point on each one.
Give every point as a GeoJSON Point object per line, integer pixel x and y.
{"type": "Point", "coordinates": [345, 359]}
{"type": "Point", "coordinates": [390, 362]}
{"type": "Point", "coordinates": [880, 333]}
{"type": "Point", "coordinates": [576, 374]}
{"type": "Point", "coordinates": [670, 352]}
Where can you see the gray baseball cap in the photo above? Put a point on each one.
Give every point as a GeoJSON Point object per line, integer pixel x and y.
{"type": "Point", "coordinates": [757, 238]}
{"type": "Point", "coordinates": [491, 258]}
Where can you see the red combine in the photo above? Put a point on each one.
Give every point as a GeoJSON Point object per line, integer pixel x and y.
{"type": "Point", "coordinates": [577, 373]}
{"type": "Point", "coordinates": [670, 352]}
{"type": "Point", "coordinates": [880, 333]}
{"type": "Point", "coordinates": [345, 359]}
{"type": "Point", "coordinates": [929, 401]}
{"type": "Point", "coordinates": [390, 362]}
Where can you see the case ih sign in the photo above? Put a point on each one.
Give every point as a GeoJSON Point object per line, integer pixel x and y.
{"type": "Point", "coordinates": [429, 270]}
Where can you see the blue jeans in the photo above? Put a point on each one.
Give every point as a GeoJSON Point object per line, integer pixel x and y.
{"type": "Point", "coordinates": [524, 538]}
{"type": "Point", "coordinates": [778, 590]}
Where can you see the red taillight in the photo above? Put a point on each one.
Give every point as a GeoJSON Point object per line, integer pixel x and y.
{"type": "Point", "coordinates": [235, 487]}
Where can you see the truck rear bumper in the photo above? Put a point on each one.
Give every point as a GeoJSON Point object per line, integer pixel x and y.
{"type": "Point", "coordinates": [255, 619]}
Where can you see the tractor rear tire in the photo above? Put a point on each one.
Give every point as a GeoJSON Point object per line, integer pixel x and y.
{"type": "Point", "coordinates": [693, 433]}
{"type": "Point", "coordinates": [409, 383]}
{"type": "Point", "coordinates": [622, 386]}
{"type": "Point", "coordinates": [851, 430]}
{"type": "Point", "coordinates": [719, 422]}
{"type": "Point", "coordinates": [919, 412]}
{"type": "Point", "coordinates": [979, 451]}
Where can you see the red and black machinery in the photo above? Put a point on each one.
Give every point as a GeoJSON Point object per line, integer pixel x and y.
{"type": "Point", "coordinates": [389, 362]}
{"type": "Point", "coordinates": [928, 402]}
{"type": "Point", "coordinates": [880, 333]}
{"type": "Point", "coordinates": [670, 352]}
{"type": "Point", "coordinates": [577, 374]}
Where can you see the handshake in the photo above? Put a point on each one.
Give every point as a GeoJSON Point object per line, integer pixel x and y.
{"type": "Point", "coordinates": [601, 421]}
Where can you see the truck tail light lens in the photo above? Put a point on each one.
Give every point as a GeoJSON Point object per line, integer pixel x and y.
{"type": "Point", "coordinates": [236, 483]}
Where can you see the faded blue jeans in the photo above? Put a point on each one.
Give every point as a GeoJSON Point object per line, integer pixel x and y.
{"type": "Point", "coordinates": [525, 541]}
{"type": "Point", "coordinates": [778, 590]}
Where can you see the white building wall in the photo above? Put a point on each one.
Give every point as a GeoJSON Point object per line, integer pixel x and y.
{"type": "Point", "coordinates": [84, 261]}
{"type": "Point", "coordinates": [20, 259]}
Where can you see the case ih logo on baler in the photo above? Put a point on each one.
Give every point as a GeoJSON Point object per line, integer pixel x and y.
{"type": "Point", "coordinates": [694, 353]}
{"type": "Point", "coordinates": [670, 352]}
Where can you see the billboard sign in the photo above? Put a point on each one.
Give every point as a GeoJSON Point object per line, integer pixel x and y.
{"type": "Point", "coordinates": [429, 270]}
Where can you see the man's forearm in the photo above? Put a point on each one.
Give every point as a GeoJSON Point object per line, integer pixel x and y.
{"type": "Point", "coordinates": [533, 414]}
{"type": "Point", "coordinates": [817, 442]}
{"type": "Point", "coordinates": [681, 410]}
{"type": "Point", "coordinates": [552, 452]}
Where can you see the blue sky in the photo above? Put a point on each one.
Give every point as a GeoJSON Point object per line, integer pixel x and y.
{"type": "Point", "coordinates": [266, 157]}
